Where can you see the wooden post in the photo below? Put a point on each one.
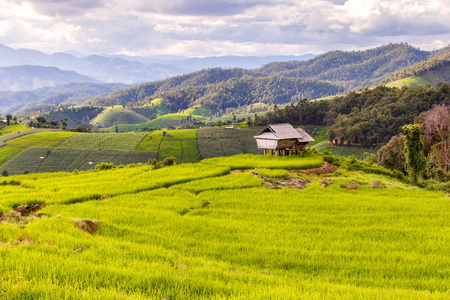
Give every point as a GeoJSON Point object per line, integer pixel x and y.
{"type": "Point", "coordinates": [284, 152]}
{"type": "Point", "coordinates": [277, 152]}
{"type": "Point", "coordinates": [290, 152]}
{"type": "Point", "coordinates": [271, 152]}
{"type": "Point", "coordinates": [264, 152]}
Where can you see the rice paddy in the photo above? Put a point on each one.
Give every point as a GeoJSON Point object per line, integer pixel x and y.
{"type": "Point", "coordinates": [195, 231]}
{"type": "Point", "coordinates": [109, 141]}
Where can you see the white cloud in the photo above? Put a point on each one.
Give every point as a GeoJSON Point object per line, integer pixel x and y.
{"type": "Point", "coordinates": [218, 27]}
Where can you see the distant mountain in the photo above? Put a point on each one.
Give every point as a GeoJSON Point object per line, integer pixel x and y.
{"type": "Point", "coordinates": [20, 78]}
{"type": "Point", "coordinates": [353, 68]}
{"type": "Point", "coordinates": [346, 70]}
{"type": "Point", "coordinates": [101, 68]}
{"type": "Point", "coordinates": [130, 69]}
{"type": "Point", "coordinates": [49, 97]}
{"type": "Point", "coordinates": [245, 62]}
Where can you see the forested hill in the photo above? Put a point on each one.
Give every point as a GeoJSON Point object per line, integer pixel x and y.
{"type": "Point", "coordinates": [351, 69]}
{"type": "Point", "coordinates": [435, 70]}
{"type": "Point", "coordinates": [247, 90]}
{"type": "Point", "coordinates": [140, 92]}
{"type": "Point", "coordinates": [348, 70]}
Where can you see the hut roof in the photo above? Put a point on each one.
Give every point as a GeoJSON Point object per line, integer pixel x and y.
{"type": "Point", "coordinates": [305, 137]}
{"type": "Point", "coordinates": [280, 131]}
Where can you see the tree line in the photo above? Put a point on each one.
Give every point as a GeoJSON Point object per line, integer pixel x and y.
{"type": "Point", "coordinates": [363, 119]}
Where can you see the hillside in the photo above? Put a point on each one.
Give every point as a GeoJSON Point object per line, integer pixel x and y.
{"type": "Point", "coordinates": [352, 69]}
{"type": "Point", "coordinates": [117, 115]}
{"type": "Point", "coordinates": [21, 78]}
{"type": "Point", "coordinates": [433, 72]}
{"type": "Point", "coordinates": [199, 231]}
{"type": "Point", "coordinates": [344, 70]}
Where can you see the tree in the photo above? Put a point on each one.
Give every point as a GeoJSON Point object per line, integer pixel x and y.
{"type": "Point", "coordinates": [415, 160]}
{"type": "Point", "coordinates": [5, 173]}
{"type": "Point", "coordinates": [391, 155]}
{"type": "Point", "coordinates": [64, 124]}
{"type": "Point", "coordinates": [435, 124]}
{"type": "Point", "coordinates": [8, 119]}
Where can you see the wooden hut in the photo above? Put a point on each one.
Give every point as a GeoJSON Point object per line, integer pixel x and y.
{"type": "Point", "coordinates": [282, 138]}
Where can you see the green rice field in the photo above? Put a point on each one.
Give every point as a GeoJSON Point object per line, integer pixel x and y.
{"type": "Point", "coordinates": [105, 141]}
{"type": "Point", "coordinates": [47, 159]}
{"type": "Point", "coordinates": [342, 151]}
{"type": "Point", "coordinates": [214, 142]}
{"type": "Point", "coordinates": [11, 129]}
{"type": "Point", "coordinates": [39, 139]}
{"type": "Point", "coordinates": [197, 231]}
{"type": "Point", "coordinates": [181, 144]}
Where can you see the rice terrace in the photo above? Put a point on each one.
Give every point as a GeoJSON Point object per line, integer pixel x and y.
{"type": "Point", "coordinates": [315, 176]}
{"type": "Point", "coordinates": [239, 227]}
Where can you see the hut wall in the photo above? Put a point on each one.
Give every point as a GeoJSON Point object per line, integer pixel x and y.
{"type": "Point", "coordinates": [266, 144]}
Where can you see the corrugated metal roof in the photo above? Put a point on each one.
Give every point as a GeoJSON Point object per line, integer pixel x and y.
{"type": "Point", "coordinates": [282, 131]}
{"type": "Point", "coordinates": [266, 136]}
{"type": "Point", "coordinates": [305, 137]}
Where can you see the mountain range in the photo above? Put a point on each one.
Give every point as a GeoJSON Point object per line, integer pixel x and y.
{"type": "Point", "coordinates": [110, 68]}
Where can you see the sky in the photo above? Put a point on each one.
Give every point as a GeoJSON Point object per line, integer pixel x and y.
{"type": "Point", "coordinates": [199, 28]}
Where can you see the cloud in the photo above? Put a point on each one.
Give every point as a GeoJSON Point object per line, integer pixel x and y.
{"type": "Point", "coordinates": [201, 7]}
{"type": "Point", "coordinates": [260, 27]}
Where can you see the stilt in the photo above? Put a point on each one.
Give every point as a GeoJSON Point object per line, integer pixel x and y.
{"type": "Point", "coordinates": [271, 152]}
{"type": "Point", "coordinates": [290, 152]}
{"type": "Point", "coordinates": [277, 152]}
{"type": "Point", "coordinates": [284, 152]}
{"type": "Point", "coordinates": [264, 152]}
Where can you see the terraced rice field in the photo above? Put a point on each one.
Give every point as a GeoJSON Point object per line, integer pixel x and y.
{"type": "Point", "coordinates": [38, 139]}
{"type": "Point", "coordinates": [195, 231]}
{"type": "Point", "coordinates": [181, 144]}
{"type": "Point", "coordinates": [46, 159]}
{"type": "Point", "coordinates": [105, 141]}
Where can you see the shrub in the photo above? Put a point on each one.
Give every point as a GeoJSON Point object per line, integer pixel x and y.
{"type": "Point", "coordinates": [105, 166]}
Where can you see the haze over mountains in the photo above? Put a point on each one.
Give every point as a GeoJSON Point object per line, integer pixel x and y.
{"type": "Point", "coordinates": [108, 69]}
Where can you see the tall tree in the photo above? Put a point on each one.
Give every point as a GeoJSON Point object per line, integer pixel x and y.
{"type": "Point", "coordinates": [415, 160]}
{"type": "Point", "coordinates": [8, 119]}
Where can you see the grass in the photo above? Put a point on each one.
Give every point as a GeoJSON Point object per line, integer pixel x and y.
{"type": "Point", "coordinates": [12, 128]}
{"type": "Point", "coordinates": [409, 82]}
{"type": "Point", "coordinates": [198, 111]}
{"type": "Point", "coordinates": [117, 115]}
{"type": "Point", "coordinates": [164, 121]}
{"type": "Point", "coordinates": [105, 141]}
{"type": "Point", "coordinates": [248, 161]}
{"type": "Point", "coordinates": [181, 144]}
{"type": "Point", "coordinates": [40, 139]}
{"type": "Point", "coordinates": [187, 232]}
{"type": "Point", "coordinates": [342, 151]}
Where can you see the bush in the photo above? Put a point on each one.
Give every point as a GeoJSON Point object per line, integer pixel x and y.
{"type": "Point", "coordinates": [105, 166]}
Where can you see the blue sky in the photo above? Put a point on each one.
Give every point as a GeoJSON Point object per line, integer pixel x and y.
{"type": "Point", "coordinates": [198, 28]}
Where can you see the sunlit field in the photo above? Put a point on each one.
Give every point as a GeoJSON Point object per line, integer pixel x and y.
{"type": "Point", "coordinates": [199, 231]}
